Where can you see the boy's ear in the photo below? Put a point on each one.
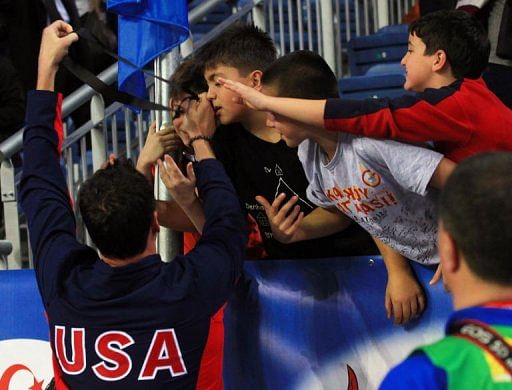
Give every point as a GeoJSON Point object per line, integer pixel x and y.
{"type": "Point", "coordinates": [448, 251]}
{"type": "Point", "coordinates": [255, 79]}
{"type": "Point", "coordinates": [440, 61]}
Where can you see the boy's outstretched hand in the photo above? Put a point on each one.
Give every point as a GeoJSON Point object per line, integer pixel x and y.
{"type": "Point", "coordinates": [247, 95]}
{"type": "Point", "coordinates": [55, 42]}
{"type": "Point", "coordinates": [284, 221]}
{"type": "Point", "coordinates": [157, 144]}
{"type": "Point", "coordinates": [181, 187]}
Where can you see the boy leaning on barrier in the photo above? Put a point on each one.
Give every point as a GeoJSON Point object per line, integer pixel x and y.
{"type": "Point", "coordinates": [384, 186]}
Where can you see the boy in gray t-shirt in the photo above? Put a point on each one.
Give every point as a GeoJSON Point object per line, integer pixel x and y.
{"type": "Point", "coordinates": [371, 182]}
{"type": "Point", "coordinates": [382, 185]}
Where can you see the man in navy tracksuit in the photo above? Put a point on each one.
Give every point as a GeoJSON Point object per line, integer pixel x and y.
{"type": "Point", "coordinates": [120, 318]}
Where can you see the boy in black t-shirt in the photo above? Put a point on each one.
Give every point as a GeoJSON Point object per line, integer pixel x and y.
{"type": "Point", "coordinates": [258, 162]}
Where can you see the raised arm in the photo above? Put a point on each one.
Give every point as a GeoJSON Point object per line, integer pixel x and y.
{"type": "Point", "coordinates": [43, 191]}
{"type": "Point", "coordinates": [310, 112]}
{"type": "Point", "coordinates": [194, 132]}
{"type": "Point", "coordinates": [431, 116]}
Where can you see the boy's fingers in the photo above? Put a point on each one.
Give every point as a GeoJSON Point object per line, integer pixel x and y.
{"type": "Point", "coordinates": [388, 305]}
{"type": "Point", "coordinates": [406, 312]}
{"type": "Point", "coordinates": [263, 202]}
{"type": "Point", "coordinates": [414, 308]}
{"type": "Point", "coordinates": [171, 167]}
{"type": "Point", "coordinates": [190, 172]}
{"type": "Point", "coordinates": [163, 172]}
{"type": "Point", "coordinates": [292, 229]}
{"type": "Point", "coordinates": [276, 204]}
{"type": "Point", "coordinates": [398, 313]}
{"type": "Point", "coordinates": [290, 219]}
{"type": "Point", "coordinates": [421, 303]}
{"type": "Point", "coordinates": [287, 206]}
{"type": "Point", "coordinates": [295, 225]}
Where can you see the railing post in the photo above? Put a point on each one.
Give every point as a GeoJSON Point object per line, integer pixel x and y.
{"type": "Point", "coordinates": [99, 150]}
{"type": "Point", "coordinates": [382, 13]}
{"type": "Point", "coordinates": [169, 242]}
{"type": "Point", "coordinates": [11, 217]}
{"type": "Point", "coordinates": [258, 14]}
{"type": "Point", "coordinates": [327, 25]}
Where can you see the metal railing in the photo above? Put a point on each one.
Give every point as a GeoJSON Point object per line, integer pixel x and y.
{"type": "Point", "coordinates": [323, 26]}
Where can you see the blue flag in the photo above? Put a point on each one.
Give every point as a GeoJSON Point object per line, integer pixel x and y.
{"type": "Point", "coordinates": [146, 29]}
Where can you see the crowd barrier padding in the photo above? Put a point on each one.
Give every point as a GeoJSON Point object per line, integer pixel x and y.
{"type": "Point", "coordinates": [291, 324]}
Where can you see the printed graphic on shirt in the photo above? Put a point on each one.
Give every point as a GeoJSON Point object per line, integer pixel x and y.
{"type": "Point", "coordinates": [360, 202]}
{"type": "Point", "coordinates": [401, 219]}
{"type": "Point", "coordinates": [282, 186]}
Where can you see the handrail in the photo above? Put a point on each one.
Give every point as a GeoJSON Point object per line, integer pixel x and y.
{"type": "Point", "coordinates": [14, 143]}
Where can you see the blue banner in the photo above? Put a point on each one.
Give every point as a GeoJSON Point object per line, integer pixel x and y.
{"type": "Point", "coordinates": [321, 324]}
{"type": "Point", "coordinates": [291, 324]}
{"type": "Point", "coordinates": [146, 29]}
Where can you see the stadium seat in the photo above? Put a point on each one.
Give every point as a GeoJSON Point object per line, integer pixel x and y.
{"type": "Point", "coordinates": [388, 44]}
{"type": "Point", "coordinates": [381, 80]}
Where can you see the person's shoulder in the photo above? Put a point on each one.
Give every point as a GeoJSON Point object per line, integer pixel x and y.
{"type": "Point", "coordinates": [308, 152]}
{"type": "Point", "coordinates": [415, 372]}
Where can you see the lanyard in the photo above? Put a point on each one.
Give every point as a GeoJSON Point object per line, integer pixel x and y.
{"type": "Point", "coordinates": [486, 338]}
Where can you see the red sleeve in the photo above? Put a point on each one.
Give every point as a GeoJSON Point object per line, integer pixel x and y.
{"type": "Point", "coordinates": [435, 115]}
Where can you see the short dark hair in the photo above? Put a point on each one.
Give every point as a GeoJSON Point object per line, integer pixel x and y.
{"type": "Point", "coordinates": [301, 74]}
{"type": "Point", "coordinates": [117, 205]}
{"type": "Point", "coordinates": [188, 78]}
{"type": "Point", "coordinates": [476, 209]}
{"type": "Point", "coordinates": [462, 37]}
{"type": "Point", "coordinates": [242, 46]}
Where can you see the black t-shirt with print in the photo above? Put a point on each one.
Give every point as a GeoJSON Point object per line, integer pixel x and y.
{"type": "Point", "coordinates": [257, 167]}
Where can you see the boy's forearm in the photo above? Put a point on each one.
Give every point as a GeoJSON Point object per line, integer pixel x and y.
{"type": "Point", "coordinates": [46, 78]}
{"type": "Point", "coordinates": [145, 167]}
{"type": "Point", "coordinates": [195, 214]}
{"type": "Point", "coordinates": [309, 112]}
{"type": "Point", "coordinates": [393, 260]}
{"type": "Point", "coordinates": [202, 149]}
{"type": "Point", "coordinates": [322, 222]}
{"type": "Point", "coordinates": [172, 216]}
{"type": "Point", "coordinates": [442, 173]}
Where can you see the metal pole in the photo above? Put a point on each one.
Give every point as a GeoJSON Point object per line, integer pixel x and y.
{"type": "Point", "coordinates": [300, 25]}
{"type": "Point", "coordinates": [99, 150]}
{"type": "Point", "coordinates": [382, 13]}
{"type": "Point", "coordinates": [168, 242]}
{"type": "Point", "coordinates": [11, 217]}
{"type": "Point", "coordinates": [258, 15]}
{"type": "Point", "coordinates": [329, 50]}
{"type": "Point", "coordinates": [281, 27]}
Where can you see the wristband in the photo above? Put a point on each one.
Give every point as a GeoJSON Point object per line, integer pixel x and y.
{"type": "Point", "coordinates": [197, 137]}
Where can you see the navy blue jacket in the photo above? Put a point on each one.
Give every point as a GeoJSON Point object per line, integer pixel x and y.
{"type": "Point", "coordinates": [143, 325]}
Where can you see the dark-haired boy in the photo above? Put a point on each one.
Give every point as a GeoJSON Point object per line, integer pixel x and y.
{"type": "Point", "coordinates": [474, 247]}
{"type": "Point", "coordinates": [382, 185]}
{"type": "Point", "coordinates": [256, 159]}
{"type": "Point", "coordinates": [447, 52]}
{"type": "Point", "coordinates": [121, 318]}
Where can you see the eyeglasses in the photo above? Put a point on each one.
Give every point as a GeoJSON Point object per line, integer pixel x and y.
{"type": "Point", "coordinates": [180, 109]}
